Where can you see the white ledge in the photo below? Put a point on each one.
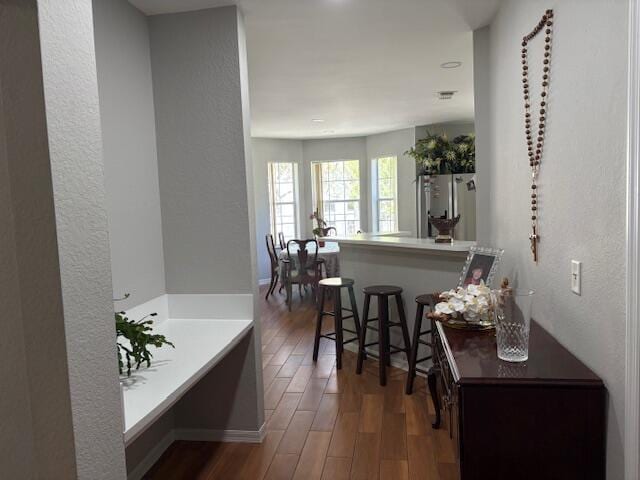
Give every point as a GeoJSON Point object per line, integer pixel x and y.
{"type": "Point", "coordinates": [404, 243]}
{"type": "Point", "coordinates": [203, 328]}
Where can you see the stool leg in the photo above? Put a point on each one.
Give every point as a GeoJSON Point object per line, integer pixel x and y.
{"type": "Point", "coordinates": [363, 337]}
{"type": "Point", "coordinates": [337, 312]}
{"type": "Point", "coordinates": [316, 342]}
{"type": "Point", "coordinates": [354, 307]}
{"type": "Point", "coordinates": [417, 326]}
{"type": "Point", "coordinates": [383, 333]}
{"type": "Point", "coordinates": [403, 326]}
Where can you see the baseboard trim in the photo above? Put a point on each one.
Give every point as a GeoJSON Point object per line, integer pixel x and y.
{"type": "Point", "coordinates": [152, 457]}
{"type": "Point", "coordinates": [235, 436]}
{"type": "Point", "coordinates": [194, 435]}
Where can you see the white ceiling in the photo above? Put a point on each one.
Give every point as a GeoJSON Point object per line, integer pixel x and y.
{"type": "Point", "coordinates": [363, 66]}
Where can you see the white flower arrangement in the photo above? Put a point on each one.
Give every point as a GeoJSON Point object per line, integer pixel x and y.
{"type": "Point", "coordinates": [472, 303]}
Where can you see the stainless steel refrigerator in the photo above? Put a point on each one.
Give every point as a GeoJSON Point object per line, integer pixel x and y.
{"type": "Point", "coordinates": [446, 196]}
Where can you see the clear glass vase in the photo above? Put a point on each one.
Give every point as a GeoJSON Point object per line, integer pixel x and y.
{"type": "Point", "coordinates": [512, 309]}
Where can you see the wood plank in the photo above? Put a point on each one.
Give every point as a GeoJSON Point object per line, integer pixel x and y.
{"type": "Point", "coordinates": [300, 379]}
{"type": "Point", "coordinates": [257, 464]}
{"type": "Point", "coordinates": [337, 468]}
{"type": "Point", "coordinates": [420, 452]}
{"type": "Point", "coordinates": [284, 412]}
{"type": "Point", "coordinates": [296, 433]}
{"type": "Point", "coordinates": [274, 393]}
{"type": "Point", "coordinates": [394, 397]}
{"type": "Point", "coordinates": [274, 345]}
{"type": "Point", "coordinates": [313, 394]}
{"type": "Point", "coordinates": [345, 433]}
{"type": "Point", "coordinates": [366, 458]}
{"type": "Point", "coordinates": [313, 456]}
{"type": "Point", "coordinates": [290, 367]}
{"type": "Point", "coordinates": [281, 355]}
{"type": "Point", "coordinates": [324, 366]}
{"type": "Point", "coordinates": [327, 412]}
{"type": "Point", "coordinates": [371, 414]}
{"type": "Point", "coordinates": [394, 470]}
{"type": "Point", "coordinates": [269, 372]}
{"type": "Point", "coordinates": [416, 415]}
{"type": "Point", "coordinates": [394, 439]}
{"type": "Point", "coordinates": [282, 467]}
{"type": "Point", "coordinates": [350, 401]}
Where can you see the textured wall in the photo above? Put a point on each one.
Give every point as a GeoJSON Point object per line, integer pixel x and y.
{"type": "Point", "coordinates": [395, 144]}
{"type": "Point", "coordinates": [582, 181]}
{"type": "Point", "coordinates": [75, 148]}
{"type": "Point", "coordinates": [206, 186]}
{"type": "Point", "coordinates": [129, 145]}
{"type": "Point", "coordinates": [201, 153]}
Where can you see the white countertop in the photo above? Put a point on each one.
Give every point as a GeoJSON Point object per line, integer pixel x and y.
{"type": "Point", "coordinates": [403, 242]}
{"type": "Point", "coordinates": [200, 343]}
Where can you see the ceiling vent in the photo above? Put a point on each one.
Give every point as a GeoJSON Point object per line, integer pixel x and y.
{"type": "Point", "coordinates": [446, 94]}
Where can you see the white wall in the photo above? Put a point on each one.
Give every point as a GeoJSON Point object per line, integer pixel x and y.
{"type": "Point", "coordinates": [130, 158]}
{"type": "Point", "coordinates": [582, 181]}
{"type": "Point", "coordinates": [267, 150]}
{"type": "Point", "coordinates": [75, 150]}
{"type": "Point", "coordinates": [395, 144]}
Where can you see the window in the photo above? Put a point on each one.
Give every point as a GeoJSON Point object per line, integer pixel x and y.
{"type": "Point", "coordinates": [283, 199]}
{"type": "Point", "coordinates": [384, 176]}
{"type": "Point", "coordinates": [336, 194]}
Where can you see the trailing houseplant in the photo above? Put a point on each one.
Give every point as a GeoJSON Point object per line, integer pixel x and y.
{"type": "Point", "coordinates": [436, 154]}
{"type": "Point", "coordinates": [139, 334]}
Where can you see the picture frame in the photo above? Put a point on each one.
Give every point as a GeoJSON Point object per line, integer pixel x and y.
{"type": "Point", "coordinates": [481, 264]}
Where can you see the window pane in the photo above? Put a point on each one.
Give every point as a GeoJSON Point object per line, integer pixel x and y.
{"type": "Point", "coordinates": [385, 188]}
{"type": "Point", "coordinates": [341, 195]}
{"type": "Point", "coordinates": [283, 200]}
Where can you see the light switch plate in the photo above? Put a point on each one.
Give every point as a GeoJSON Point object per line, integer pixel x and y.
{"type": "Point", "coordinates": [576, 280]}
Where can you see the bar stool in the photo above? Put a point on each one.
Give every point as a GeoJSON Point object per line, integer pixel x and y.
{"type": "Point", "coordinates": [422, 301]}
{"type": "Point", "coordinates": [385, 349]}
{"type": "Point", "coordinates": [333, 286]}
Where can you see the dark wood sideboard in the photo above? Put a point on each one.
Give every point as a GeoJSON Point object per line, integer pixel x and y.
{"type": "Point", "coordinates": [543, 419]}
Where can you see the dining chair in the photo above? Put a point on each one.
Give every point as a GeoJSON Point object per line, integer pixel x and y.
{"type": "Point", "coordinates": [283, 244]}
{"type": "Point", "coordinates": [303, 268]}
{"type": "Point", "coordinates": [273, 257]}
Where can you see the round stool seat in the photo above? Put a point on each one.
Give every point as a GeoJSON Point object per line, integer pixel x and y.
{"type": "Point", "coordinates": [336, 282]}
{"type": "Point", "coordinates": [382, 290]}
{"type": "Point", "coordinates": [426, 299]}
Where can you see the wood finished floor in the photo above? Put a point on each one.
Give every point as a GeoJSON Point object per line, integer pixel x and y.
{"type": "Point", "coordinates": [321, 423]}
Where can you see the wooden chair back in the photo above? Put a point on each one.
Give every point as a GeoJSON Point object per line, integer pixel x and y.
{"type": "Point", "coordinates": [304, 259]}
{"type": "Point", "coordinates": [283, 244]}
{"type": "Point", "coordinates": [271, 249]}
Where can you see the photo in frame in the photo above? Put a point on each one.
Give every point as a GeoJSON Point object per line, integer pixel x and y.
{"type": "Point", "coordinates": [481, 265]}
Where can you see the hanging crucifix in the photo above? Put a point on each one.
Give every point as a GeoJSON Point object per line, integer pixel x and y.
{"type": "Point", "coordinates": [535, 139]}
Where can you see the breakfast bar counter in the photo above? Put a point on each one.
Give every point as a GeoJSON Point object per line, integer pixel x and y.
{"type": "Point", "coordinates": [418, 265]}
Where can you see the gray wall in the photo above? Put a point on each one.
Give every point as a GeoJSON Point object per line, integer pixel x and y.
{"type": "Point", "coordinates": [206, 188]}
{"type": "Point", "coordinates": [267, 150]}
{"type": "Point", "coordinates": [37, 431]}
{"type": "Point", "coordinates": [482, 99]}
{"type": "Point", "coordinates": [75, 149]}
{"type": "Point", "coordinates": [201, 152]}
{"type": "Point", "coordinates": [395, 144]}
{"type": "Point", "coordinates": [582, 182]}
{"type": "Point", "coordinates": [129, 144]}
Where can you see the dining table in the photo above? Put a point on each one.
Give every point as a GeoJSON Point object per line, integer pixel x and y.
{"type": "Point", "coordinates": [329, 252]}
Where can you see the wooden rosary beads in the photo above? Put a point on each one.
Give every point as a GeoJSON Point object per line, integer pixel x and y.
{"type": "Point", "coordinates": [535, 153]}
